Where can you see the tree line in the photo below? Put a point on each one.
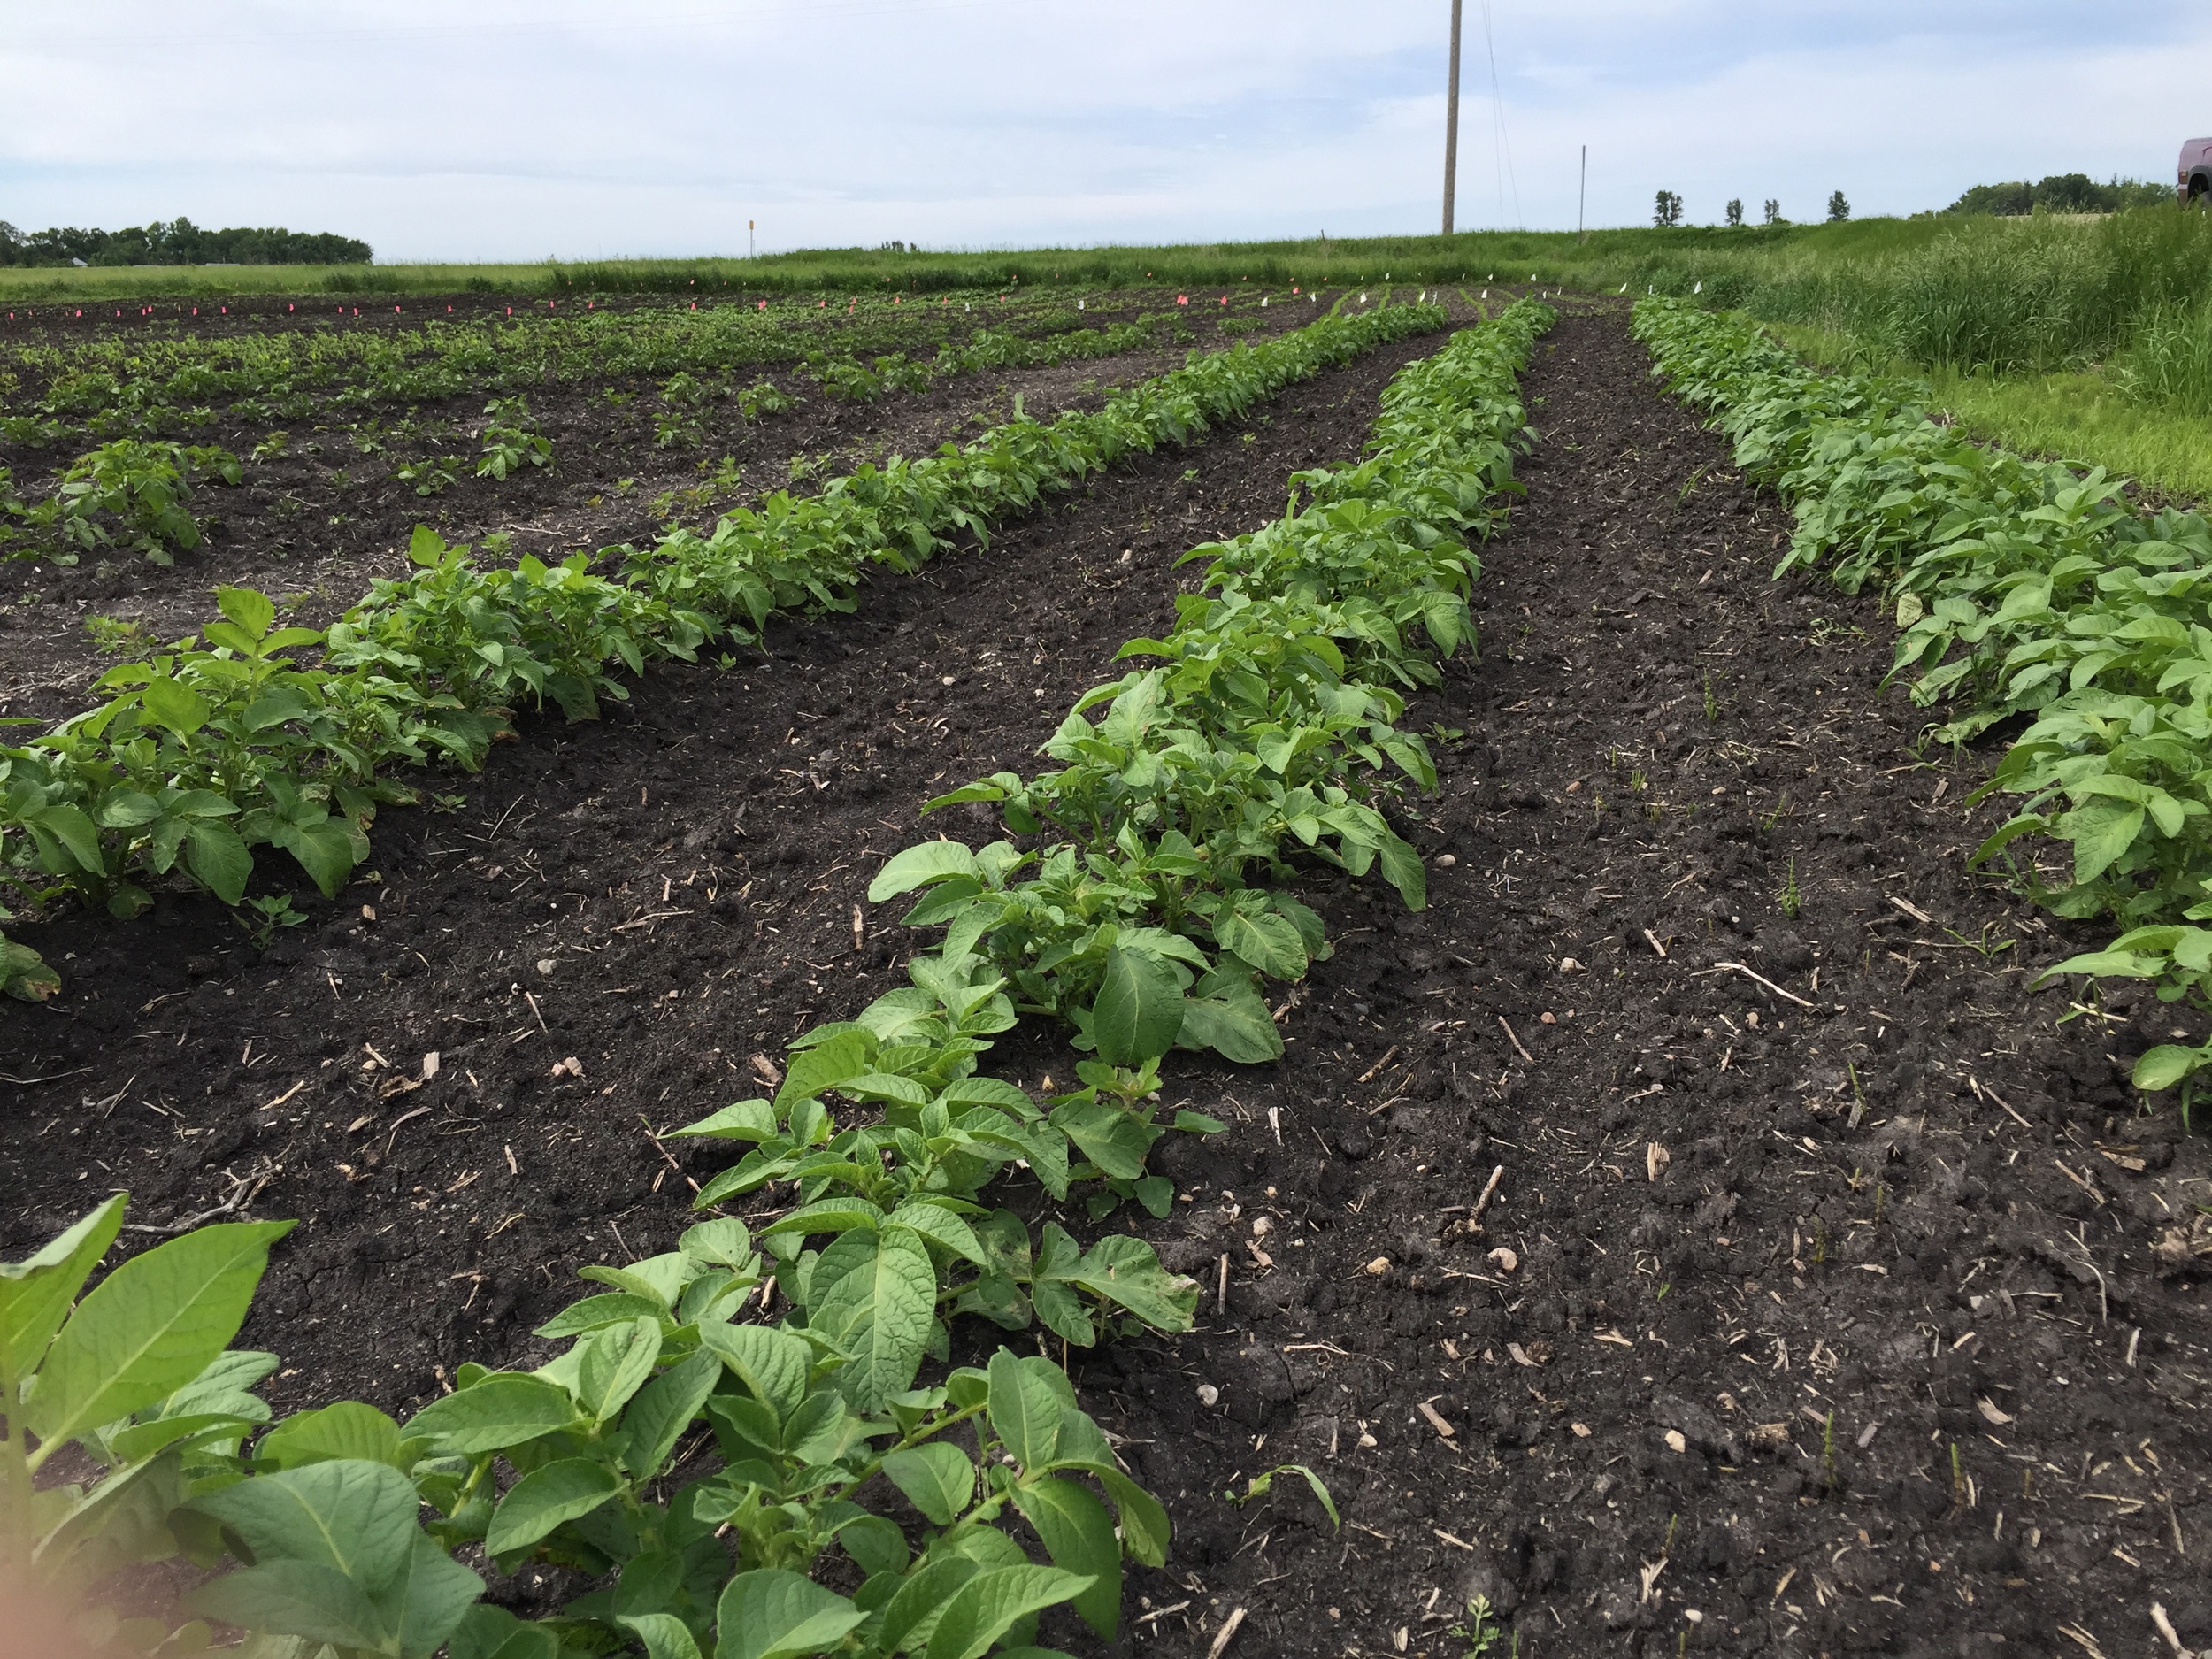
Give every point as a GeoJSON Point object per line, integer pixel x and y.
{"type": "Point", "coordinates": [2062, 193]}
{"type": "Point", "coordinates": [178, 242]}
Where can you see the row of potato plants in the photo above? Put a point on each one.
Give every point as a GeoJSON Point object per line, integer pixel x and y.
{"type": "Point", "coordinates": [134, 491]}
{"type": "Point", "coordinates": [1142, 902]}
{"type": "Point", "coordinates": [2024, 589]}
{"type": "Point", "coordinates": [205, 752]}
{"type": "Point", "coordinates": [709, 1472]}
{"type": "Point", "coordinates": [141, 387]}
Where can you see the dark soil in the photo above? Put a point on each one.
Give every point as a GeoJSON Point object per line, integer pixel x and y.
{"type": "Point", "coordinates": [1861, 1326]}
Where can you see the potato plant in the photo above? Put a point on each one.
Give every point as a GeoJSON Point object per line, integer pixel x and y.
{"type": "Point", "coordinates": [594, 1460]}
{"type": "Point", "coordinates": [129, 493]}
{"type": "Point", "coordinates": [140, 387]}
{"type": "Point", "coordinates": [511, 439]}
{"type": "Point", "coordinates": [2022, 589]}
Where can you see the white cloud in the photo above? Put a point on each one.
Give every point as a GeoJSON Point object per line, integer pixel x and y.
{"type": "Point", "coordinates": [473, 129]}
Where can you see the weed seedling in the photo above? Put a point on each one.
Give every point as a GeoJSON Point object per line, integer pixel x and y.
{"type": "Point", "coordinates": [1712, 703]}
{"type": "Point", "coordinates": [1958, 1480]}
{"type": "Point", "coordinates": [1478, 1632]}
{"type": "Point", "coordinates": [261, 918]}
{"type": "Point", "coordinates": [1792, 900]}
{"type": "Point", "coordinates": [1985, 947]}
{"type": "Point", "coordinates": [113, 635]}
{"type": "Point", "coordinates": [1257, 1486]}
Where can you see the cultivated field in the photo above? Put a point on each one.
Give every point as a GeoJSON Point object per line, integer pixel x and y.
{"type": "Point", "coordinates": [1122, 1084]}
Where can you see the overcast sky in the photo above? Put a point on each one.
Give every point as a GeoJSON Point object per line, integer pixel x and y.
{"type": "Point", "coordinates": [487, 130]}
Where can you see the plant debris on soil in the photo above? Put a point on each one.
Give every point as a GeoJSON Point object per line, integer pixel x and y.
{"type": "Point", "coordinates": [1695, 1231]}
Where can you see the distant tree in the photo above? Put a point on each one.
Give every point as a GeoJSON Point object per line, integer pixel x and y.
{"type": "Point", "coordinates": [1735, 210]}
{"type": "Point", "coordinates": [1839, 209]}
{"type": "Point", "coordinates": [2071, 193]}
{"type": "Point", "coordinates": [2061, 192]}
{"type": "Point", "coordinates": [2003, 199]}
{"type": "Point", "coordinates": [1667, 209]}
{"type": "Point", "coordinates": [1774, 212]}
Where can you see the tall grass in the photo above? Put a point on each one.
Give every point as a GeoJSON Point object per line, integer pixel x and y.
{"type": "Point", "coordinates": [2089, 419]}
{"type": "Point", "coordinates": [2037, 293]}
{"type": "Point", "coordinates": [2170, 361]}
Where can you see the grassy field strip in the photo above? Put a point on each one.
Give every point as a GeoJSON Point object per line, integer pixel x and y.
{"type": "Point", "coordinates": [2022, 589]}
{"type": "Point", "coordinates": [203, 755]}
{"type": "Point", "coordinates": [2085, 415]}
{"type": "Point", "coordinates": [808, 1412]}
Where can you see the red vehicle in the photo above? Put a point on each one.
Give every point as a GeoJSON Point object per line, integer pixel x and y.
{"type": "Point", "coordinates": [2193, 181]}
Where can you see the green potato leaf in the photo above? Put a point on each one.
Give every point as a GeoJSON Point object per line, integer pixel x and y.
{"type": "Point", "coordinates": [148, 1328]}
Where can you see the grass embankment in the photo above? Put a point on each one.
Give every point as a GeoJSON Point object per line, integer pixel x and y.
{"type": "Point", "coordinates": [1603, 258]}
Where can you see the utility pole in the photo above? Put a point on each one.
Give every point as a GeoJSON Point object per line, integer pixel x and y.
{"type": "Point", "coordinates": [1451, 123]}
{"type": "Point", "coordinates": [1583, 195]}
{"type": "Point", "coordinates": [748, 239]}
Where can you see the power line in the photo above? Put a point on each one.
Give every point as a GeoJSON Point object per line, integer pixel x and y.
{"type": "Point", "coordinates": [1503, 152]}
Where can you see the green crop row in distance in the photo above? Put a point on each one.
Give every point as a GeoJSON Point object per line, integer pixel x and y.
{"type": "Point", "coordinates": [595, 1462]}
{"type": "Point", "coordinates": [203, 753]}
{"type": "Point", "coordinates": [132, 489]}
{"type": "Point", "coordinates": [138, 387]}
{"type": "Point", "coordinates": [2022, 589]}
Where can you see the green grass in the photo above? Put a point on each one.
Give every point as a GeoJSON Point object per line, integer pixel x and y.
{"type": "Point", "coordinates": [2081, 415]}
{"type": "Point", "coordinates": [1603, 258]}
{"type": "Point", "coordinates": [52, 284]}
